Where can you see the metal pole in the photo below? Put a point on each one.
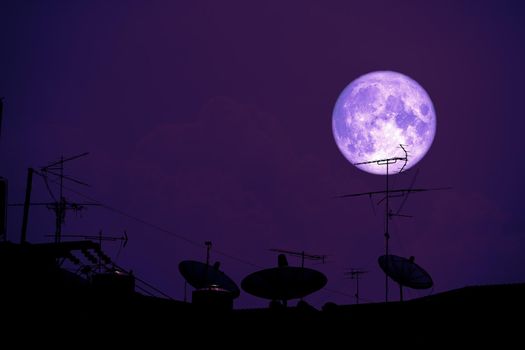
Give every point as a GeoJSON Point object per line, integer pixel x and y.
{"type": "Point", "coordinates": [61, 204]}
{"type": "Point", "coordinates": [208, 247]}
{"type": "Point", "coordinates": [3, 209]}
{"type": "Point", "coordinates": [27, 203]}
{"type": "Point", "coordinates": [1, 113]}
{"type": "Point", "coordinates": [99, 258]}
{"type": "Point", "coordinates": [357, 292]}
{"type": "Point", "coordinates": [387, 235]}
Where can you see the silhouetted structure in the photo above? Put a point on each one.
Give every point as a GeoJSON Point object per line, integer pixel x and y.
{"type": "Point", "coordinates": [99, 295]}
{"type": "Point", "coordinates": [283, 282]}
{"type": "Point", "coordinates": [214, 290]}
{"type": "Point", "coordinates": [355, 274]}
{"type": "Point", "coordinates": [303, 255]}
{"type": "Point", "coordinates": [1, 113]}
{"type": "Point", "coordinates": [388, 194]}
{"type": "Point", "coordinates": [3, 209]}
{"type": "Point", "coordinates": [405, 272]}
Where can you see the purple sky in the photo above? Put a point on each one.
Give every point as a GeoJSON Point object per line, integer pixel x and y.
{"type": "Point", "coordinates": [212, 120]}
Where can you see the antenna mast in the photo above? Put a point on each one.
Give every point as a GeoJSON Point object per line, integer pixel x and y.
{"type": "Point", "coordinates": [208, 248]}
{"type": "Point", "coordinates": [354, 274]}
{"type": "Point", "coordinates": [387, 162]}
{"type": "Point", "coordinates": [388, 193]}
{"type": "Point", "coordinates": [60, 206]}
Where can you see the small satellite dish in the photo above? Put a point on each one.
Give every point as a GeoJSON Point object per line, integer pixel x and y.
{"type": "Point", "coordinates": [203, 276]}
{"type": "Point", "coordinates": [405, 272]}
{"type": "Point", "coordinates": [283, 282]}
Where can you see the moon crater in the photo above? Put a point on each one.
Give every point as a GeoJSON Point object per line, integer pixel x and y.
{"type": "Point", "coordinates": [378, 112]}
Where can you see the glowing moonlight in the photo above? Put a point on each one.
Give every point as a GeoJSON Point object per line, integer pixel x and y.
{"type": "Point", "coordinates": [379, 111]}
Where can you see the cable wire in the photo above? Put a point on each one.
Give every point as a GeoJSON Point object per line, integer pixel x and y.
{"type": "Point", "coordinates": [157, 227]}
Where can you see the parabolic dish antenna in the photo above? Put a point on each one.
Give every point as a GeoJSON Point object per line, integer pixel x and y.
{"type": "Point", "coordinates": [405, 272]}
{"type": "Point", "coordinates": [201, 275]}
{"type": "Point", "coordinates": [284, 282]}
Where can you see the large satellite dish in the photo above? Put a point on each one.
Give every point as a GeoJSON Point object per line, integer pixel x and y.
{"type": "Point", "coordinates": [283, 282]}
{"type": "Point", "coordinates": [201, 275]}
{"type": "Point", "coordinates": [405, 272]}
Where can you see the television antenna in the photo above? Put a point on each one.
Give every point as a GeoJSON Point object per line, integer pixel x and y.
{"type": "Point", "coordinates": [100, 238]}
{"type": "Point", "coordinates": [355, 274]}
{"type": "Point", "coordinates": [59, 205]}
{"type": "Point", "coordinates": [388, 193]}
{"type": "Point", "coordinates": [301, 254]}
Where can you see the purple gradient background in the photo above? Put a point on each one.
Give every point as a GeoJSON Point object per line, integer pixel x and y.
{"type": "Point", "coordinates": [212, 119]}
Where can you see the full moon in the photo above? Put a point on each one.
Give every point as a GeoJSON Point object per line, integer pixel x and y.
{"type": "Point", "coordinates": [378, 112]}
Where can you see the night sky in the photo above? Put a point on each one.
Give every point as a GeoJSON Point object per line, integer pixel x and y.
{"type": "Point", "coordinates": [213, 121]}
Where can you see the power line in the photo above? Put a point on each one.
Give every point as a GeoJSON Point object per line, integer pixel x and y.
{"type": "Point", "coordinates": [157, 227]}
{"type": "Point", "coordinates": [176, 235]}
{"type": "Point", "coordinates": [179, 236]}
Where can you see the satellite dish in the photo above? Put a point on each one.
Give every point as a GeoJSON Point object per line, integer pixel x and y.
{"type": "Point", "coordinates": [405, 272]}
{"type": "Point", "coordinates": [201, 275]}
{"type": "Point", "coordinates": [283, 282]}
